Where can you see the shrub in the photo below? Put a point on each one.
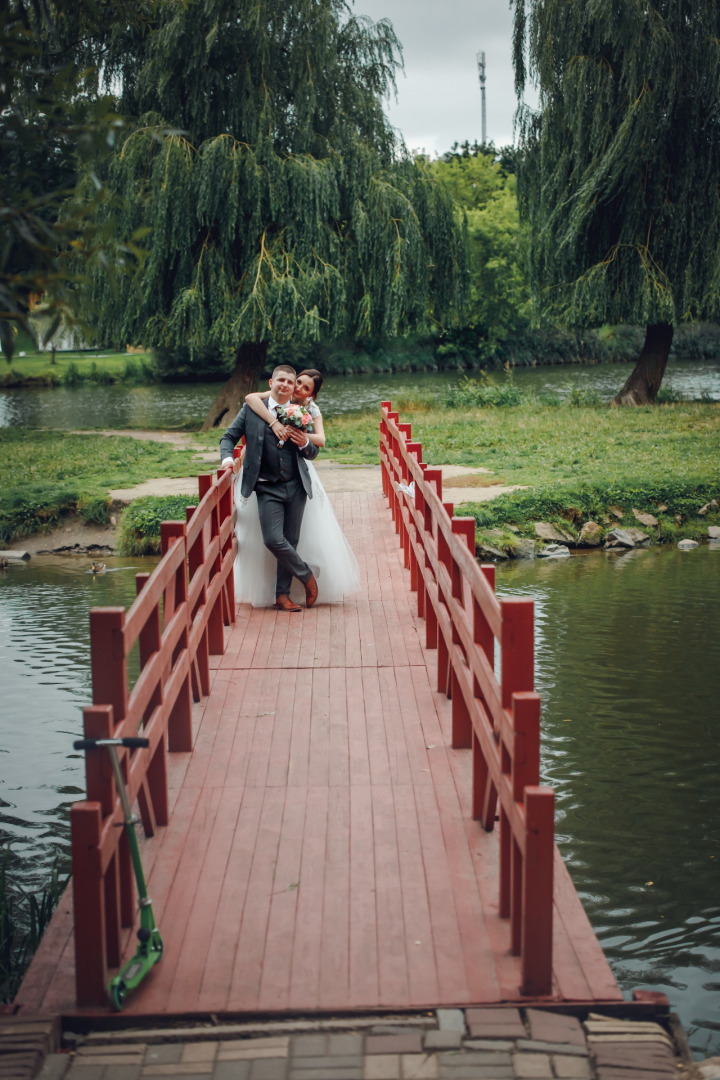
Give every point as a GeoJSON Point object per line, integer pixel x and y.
{"type": "Point", "coordinates": [94, 510]}
{"type": "Point", "coordinates": [484, 391]}
{"type": "Point", "coordinates": [72, 376]}
{"type": "Point", "coordinates": [139, 532]}
{"type": "Point", "coordinates": [23, 919]}
{"type": "Point", "coordinates": [32, 509]}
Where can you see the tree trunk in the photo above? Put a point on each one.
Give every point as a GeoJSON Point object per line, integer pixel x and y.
{"type": "Point", "coordinates": [228, 403]}
{"type": "Point", "coordinates": [644, 381]}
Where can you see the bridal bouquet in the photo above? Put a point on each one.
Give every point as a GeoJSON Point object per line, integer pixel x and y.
{"type": "Point", "coordinates": [295, 416]}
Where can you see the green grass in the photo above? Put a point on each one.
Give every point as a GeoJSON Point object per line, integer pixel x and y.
{"type": "Point", "coordinates": [49, 474]}
{"type": "Point", "coordinates": [72, 368]}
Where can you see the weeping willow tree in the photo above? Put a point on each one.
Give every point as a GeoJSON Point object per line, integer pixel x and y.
{"type": "Point", "coordinates": [619, 173]}
{"type": "Point", "coordinates": [277, 204]}
{"type": "Point", "coordinates": [52, 116]}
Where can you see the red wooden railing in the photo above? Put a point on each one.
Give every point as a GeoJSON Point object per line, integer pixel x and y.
{"type": "Point", "coordinates": [498, 719]}
{"type": "Point", "coordinates": [177, 620]}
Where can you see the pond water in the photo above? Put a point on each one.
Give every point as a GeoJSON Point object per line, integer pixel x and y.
{"type": "Point", "coordinates": [45, 679]}
{"type": "Point", "coordinates": [176, 404]}
{"type": "Point", "coordinates": [628, 668]}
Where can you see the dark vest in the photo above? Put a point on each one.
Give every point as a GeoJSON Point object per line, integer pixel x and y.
{"type": "Point", "coordinates": [277, 463]}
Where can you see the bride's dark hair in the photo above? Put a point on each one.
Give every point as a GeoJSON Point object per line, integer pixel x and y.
{"type": "Point", "coordinates": [316, 377]}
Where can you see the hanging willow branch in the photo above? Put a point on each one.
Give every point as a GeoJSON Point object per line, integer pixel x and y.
{"type": "Point", "coordinates": [620, 173]}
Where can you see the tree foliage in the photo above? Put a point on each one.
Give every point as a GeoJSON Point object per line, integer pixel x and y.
{"type": "Point", "coordinates": [484, 190]}
{"type": "Point", "coordinates": [620, 164]}
{"type": "Point", "coordinates": [53, 117]}
{"type": "Point", "coordinates": [280, 205]}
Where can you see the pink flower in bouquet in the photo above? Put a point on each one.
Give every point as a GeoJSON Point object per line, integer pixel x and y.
{"type": "Point", "coordinates": [295, 415]}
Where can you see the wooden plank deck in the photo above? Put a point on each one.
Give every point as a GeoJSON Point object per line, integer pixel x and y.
{"type": "Point", "coordinates": [321, 855]}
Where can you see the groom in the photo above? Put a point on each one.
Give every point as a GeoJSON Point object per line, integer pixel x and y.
{"type": "Point", "coordinates": [278, 474]}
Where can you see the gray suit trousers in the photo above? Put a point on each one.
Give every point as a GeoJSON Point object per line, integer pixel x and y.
{"type": "Point", "coordinates": [281, 506]}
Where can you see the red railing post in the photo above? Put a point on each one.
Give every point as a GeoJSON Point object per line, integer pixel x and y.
{"type": "Point", "coordinates": [516, 647]}
{"type": "Point", "coordinates": [88, 904]}
{"type": "Point", "coordinates": [225, 510]}
{"type": "Point", "coordinates": [108, 660]}
{"type": "Point", "coordinates": [150, 643]}
{"type": "Point", "coordinates": [196, 559]}
{"type": "Point", "coordinates": [462, 732]}
{"type": "Point", "coordinates": [537, 892]}
{"type": "Point", "coordinates": [180, 719]}
{"type": "Point", "coordinates": [216, 628]}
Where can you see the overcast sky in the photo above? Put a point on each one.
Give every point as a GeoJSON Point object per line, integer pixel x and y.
{"type": "Point", "coordinates": [439, 99]}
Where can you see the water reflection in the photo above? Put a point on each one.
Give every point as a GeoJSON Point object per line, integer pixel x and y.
{"type": "Point", "coordinates": [45, 678]}
{"type": "Point", "coordinates": [629, 673]}
{"type": "Point", "coordinates": [173, 405]}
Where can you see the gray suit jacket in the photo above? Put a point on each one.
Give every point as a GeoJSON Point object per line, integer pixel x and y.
{"type": "Point", "coordinates": [250, 425]}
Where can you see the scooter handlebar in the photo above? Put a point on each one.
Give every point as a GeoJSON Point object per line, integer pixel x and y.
{"type": "Point", "coordinates": [132, 743]}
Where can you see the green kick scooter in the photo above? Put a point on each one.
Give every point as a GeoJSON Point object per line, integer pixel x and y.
{"type": "Point", "coordinates": [150, 946]}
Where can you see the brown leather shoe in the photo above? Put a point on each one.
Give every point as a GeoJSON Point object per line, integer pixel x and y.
{"type": "Point", "coordinates": [311, 591]}
{"type": "Point", "coordinates": [286, 604]}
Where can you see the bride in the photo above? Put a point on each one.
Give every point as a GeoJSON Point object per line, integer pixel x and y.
{"type": "Point", "coordinates": [322, 542]}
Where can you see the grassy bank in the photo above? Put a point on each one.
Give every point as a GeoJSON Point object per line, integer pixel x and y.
{"type": "Point", "coordinates": [580, 463]}
{"type": "Point", "coordinates": [575, 462]}
{"type": "Point", "coordinates": [76, 368]}
{"type": "Point", "coordinates": [47, 475]}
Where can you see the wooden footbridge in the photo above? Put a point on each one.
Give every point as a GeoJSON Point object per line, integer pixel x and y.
{"type": "Point", "coordinates": [342, 807]}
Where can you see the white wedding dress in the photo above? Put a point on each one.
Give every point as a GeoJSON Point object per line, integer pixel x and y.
{"type": "Point", "coordinates": [322, 545]}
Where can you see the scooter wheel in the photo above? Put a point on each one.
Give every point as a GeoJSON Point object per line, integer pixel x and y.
{"type": "Point", "coordinates": [118, 992]}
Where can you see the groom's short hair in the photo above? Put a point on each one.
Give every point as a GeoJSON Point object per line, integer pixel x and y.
{"type": "Point", "coordinates": [283, 367]}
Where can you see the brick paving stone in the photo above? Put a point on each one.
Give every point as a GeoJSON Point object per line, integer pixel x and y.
{"type": "Point", "coordinates": [462, 1057]}
{"type": "Point", "coordinates": [245, 1051]}
{"type": "Point", "coordinates": [122, 1072]}
{"type": "Point", "coordinates": [419, 1066]}
{"type": "Point", "coordinates": [552, 1048]}
{"type": "Point", "coordinates": [531, 1066]}
{"type": "Point", "coordinates": [268, 1069]}
{"type": "Point", "coordinates": [85, 1072]}
{"type": "Point", "coordinates": [327, 1062]}
{"type": "Point", "coordinates": [115, 1057]}
{"type": "Point", "coordinates": [382, 1067]}
{"type": "Point", "coordinates": [308, 1045]}
{"type": "Point", "coordinates": [199, 1052]}
{"type": "Point", "coordinates": [410, 1043]}
{"type": "Point", "coordinates": [114, 1050]}
{"type": "Point", "coordinates": [442, 1040]}
{"type": "Point", "coordinates": [54, 1067]}
{"type": "Point", "coordinates": [348, 1073]}
{"type": "Point", "coordinates": [489, 1044]}
{"type": "Point", "coordinates": [475, 1072]}
{"type": "Point", "coordinates": [110, 1075]}
{"type": "Point", "coordinates": [495, 1023]}
{"type": "Point", "coordinates": [394, 1029]}
{"type": "Point", "coordinates": [231, 1070]}
{"type": "Point", "coordinates": [639, 1056]}
{"type": "Point", "coordinates": [451, 1019]}
{"type": "Point", "coordinates": [571, 1068]}
{"type": "Point", "coordinates": [271, 1042]}
{"type": "Point", "coordinates": [555, 1027]}
{"type": "Point", "coordinates": [609, 1072]}
{"type": "Point", "coordinates": [163, 1054]}
{"type": "Point", "coordinates": [179, 1068]}
{"type": "Point", "coordinates": [345, 1043]}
